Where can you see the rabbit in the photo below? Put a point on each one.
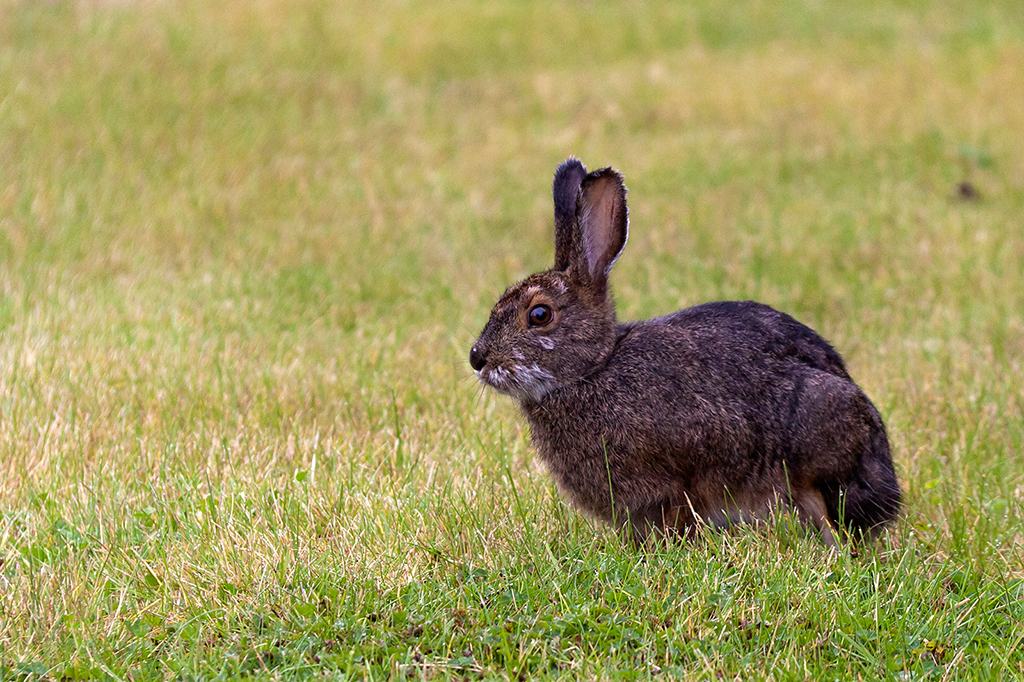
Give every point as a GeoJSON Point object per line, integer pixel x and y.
{"type": "Point", "coordinates": [717, 414]}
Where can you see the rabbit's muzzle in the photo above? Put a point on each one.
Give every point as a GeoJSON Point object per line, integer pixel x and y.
{"type": "Point", "coordinates": [523, 381]}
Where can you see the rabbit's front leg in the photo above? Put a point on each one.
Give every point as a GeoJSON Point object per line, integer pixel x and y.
{"type": "Point", "coordinates": [658, 519]}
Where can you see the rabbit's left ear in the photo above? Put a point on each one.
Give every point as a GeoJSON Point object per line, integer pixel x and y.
{"type": "Point", "coordinates": [566, 190]}
{"type": "Point", "coordinates": [603, 221]}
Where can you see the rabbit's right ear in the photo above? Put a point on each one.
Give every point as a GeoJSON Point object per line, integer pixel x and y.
{"type": "Point", "coordinates": [603, 221]}
{"type": "Point", "coordinates": [566, 189]}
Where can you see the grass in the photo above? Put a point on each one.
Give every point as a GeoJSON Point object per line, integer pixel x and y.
{"type": "Point", "coordinates": [244, 249]}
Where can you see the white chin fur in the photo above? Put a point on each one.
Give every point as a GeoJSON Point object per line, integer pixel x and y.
{"type": "Point", "coordinates": [521, 382]}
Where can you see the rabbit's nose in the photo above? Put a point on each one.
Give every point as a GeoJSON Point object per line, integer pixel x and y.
{"type": "Point", "coordinates": [476, 359]}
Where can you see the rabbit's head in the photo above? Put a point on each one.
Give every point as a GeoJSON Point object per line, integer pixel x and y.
{"type": "Point", "coordinates": [555, 327]}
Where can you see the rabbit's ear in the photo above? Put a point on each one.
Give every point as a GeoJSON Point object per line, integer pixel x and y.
{"type": "Point", "coordinates": [603, 224]}
{"type": "Point", "coordinates": [566, 190]}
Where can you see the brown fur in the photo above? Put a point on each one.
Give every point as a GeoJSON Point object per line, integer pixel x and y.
{"type": "Point", "coordinates": [722, 412]}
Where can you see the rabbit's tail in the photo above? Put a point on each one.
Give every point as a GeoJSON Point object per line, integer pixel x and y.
{"type": "Point", "coordinates": [871, 497]}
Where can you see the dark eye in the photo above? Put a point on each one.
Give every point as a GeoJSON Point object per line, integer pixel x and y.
{"type": "Point", "coordinates": [539, 315]}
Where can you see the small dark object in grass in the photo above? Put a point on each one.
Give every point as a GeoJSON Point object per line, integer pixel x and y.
{"type": "Point", "coordinates": [717, 414]}
{"type": "Point", "coordinates": [966, 191]}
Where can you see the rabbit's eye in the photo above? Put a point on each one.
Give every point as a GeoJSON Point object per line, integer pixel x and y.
{"type": "Point", "coordinates": [539, 315]}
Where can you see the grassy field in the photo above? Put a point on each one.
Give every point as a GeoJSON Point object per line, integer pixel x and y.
{"type": "Point", "coordinates": [244, 250]}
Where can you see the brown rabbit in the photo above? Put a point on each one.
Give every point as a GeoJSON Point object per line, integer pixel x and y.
{"type": "Point", "coordinates": [718, 413]}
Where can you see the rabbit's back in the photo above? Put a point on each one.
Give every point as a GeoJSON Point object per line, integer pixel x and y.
{"type": "Point", "coordinates": [755, 330]}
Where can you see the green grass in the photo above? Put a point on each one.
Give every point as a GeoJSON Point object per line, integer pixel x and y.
{"type": "Point", "coordinates": [244, 250]}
